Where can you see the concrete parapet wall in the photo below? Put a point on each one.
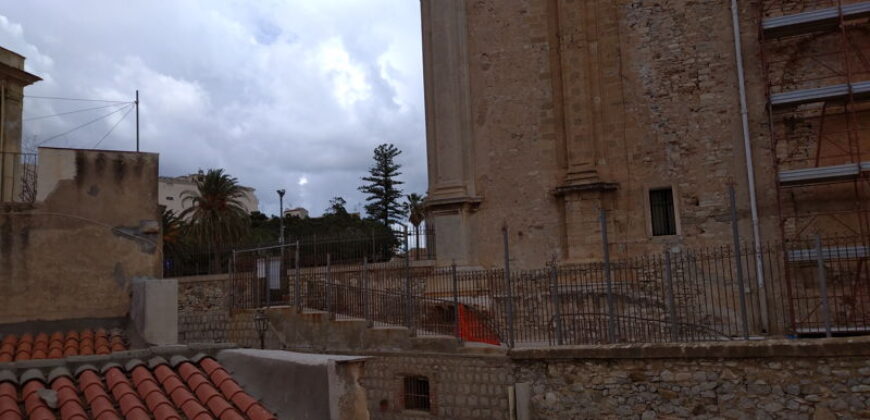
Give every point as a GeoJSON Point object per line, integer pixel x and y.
{"type": "Point", "coordinates": [153, 310]}
{"type": "Point", "coordinates": [302, 386]}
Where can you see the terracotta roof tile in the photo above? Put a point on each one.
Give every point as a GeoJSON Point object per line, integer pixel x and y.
{"type": "Point", "coordinates": [9, 409]}
{"type": "Point", "coordinates": [196, 391]}
{"type": "Point", "coordinates": [35, 407]}
{"type": "Point", "coordinates": [59, 345]}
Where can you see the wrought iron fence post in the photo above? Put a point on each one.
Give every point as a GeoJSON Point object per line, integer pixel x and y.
{"type": "Point", "coordinates": [297, 286]}
{"type": "Point", "coordinates": [367, 294]}
{"type": "Point", "coordinates": [669, 297]}
{"type": "Point", "coordinates": [612, 336]}
{"type": "Point", "coordinates": [455, 281]}
{"type": "Point", "coordinates": [409, 304]}
{"type": "Point", "coordinates": [823, 286]}
{"type": "Point", "coordinates": [268, 269]}
{"type": "Point", "coordinates": [233, 277]}
{"type": "Point", "coordinates": [507, 281]}
{"type": "Point", "coordinates": [328, 291]}
{"type": "Point", "coordinates": [735, 231]}
{"type": "Point", "coordinates": [557, 304]}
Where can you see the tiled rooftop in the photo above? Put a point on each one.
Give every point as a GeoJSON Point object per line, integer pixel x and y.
{"type": "Point", "coordinates": [197, 389]}
{"type": "Point", "coordinates": [58, 345]}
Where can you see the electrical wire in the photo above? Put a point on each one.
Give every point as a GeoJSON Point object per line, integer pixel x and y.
{"type": "Point", "coordinates": [58, 98]}
{"type": "Point", "coordinates": [113, 127]}
{"type": "Point", "coordinates": [75, 111]}
{"type": "Point", "coordinates": [83, 125]}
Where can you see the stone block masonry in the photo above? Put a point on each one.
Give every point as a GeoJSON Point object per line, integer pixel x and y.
{"type": "Point", "coordinates": [203, 309]}
{"type": "Point", "coordinates": [460, 387]}
{"type": "Point", "coordinates": [822, 379]}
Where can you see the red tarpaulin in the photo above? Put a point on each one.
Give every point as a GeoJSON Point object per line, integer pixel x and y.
{"type": "Point", "coordinates": [472, 328]}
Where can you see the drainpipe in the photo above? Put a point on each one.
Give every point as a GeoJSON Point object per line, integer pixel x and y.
{"type": "Point", "coordinates": [3, 141]}
{"type": "Point", "coordinates": [750, 169]}
{"type": "Point", "coordinates": [3, 117]}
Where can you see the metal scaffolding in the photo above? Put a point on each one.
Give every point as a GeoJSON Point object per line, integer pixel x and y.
{"type": "Point", "coordinates": [816, 55]}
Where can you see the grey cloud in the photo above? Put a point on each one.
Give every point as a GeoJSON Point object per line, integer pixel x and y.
{"type": "Point", "coordinates": [236, 84]}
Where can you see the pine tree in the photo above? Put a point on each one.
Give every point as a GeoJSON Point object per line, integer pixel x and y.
{"type": "Point", "coordinates": [383, 196]}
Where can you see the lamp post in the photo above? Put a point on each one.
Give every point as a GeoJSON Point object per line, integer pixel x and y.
{"type": "Point", "coordinates": [261, 322]}
{"type": "Point", "coordinates": [280, 239]}
{"type": "Point", "coordinates": [281, 214]}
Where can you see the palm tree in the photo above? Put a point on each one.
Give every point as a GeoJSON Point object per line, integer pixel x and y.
{"type": "Point", "coordinates": [216, 215]}
{"type": "Point", "coordinates": [173, 228]}
{"type": "Point", "coordinates": [416, 216]}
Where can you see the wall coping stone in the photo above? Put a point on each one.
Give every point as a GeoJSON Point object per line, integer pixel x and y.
{"type": "Point", "coordinates": [822, 347]}
{"type": "Point", "coordinates": [208, 278]}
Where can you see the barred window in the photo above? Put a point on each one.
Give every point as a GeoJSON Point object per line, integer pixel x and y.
{"type": "Point", "coordinates": [417, 393]}
{"type": "Point", "coordinates": [661, 204]}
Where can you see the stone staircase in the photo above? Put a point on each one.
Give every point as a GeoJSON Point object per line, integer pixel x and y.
{"type": "Point", "coordinates": [313, 330]}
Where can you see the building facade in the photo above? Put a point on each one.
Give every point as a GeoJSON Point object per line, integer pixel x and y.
{"type": "Point", "coordinates": [542, 114]}
{"type": "Point", "coordinates": [299, 212]}
{"type": "Point", "coordinates": [172, 191]}
{"type": "Point", "coordinates": [13, 164]}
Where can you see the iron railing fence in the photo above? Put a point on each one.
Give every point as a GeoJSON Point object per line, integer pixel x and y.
{"type": "Point", "coordinates": [18, 177]}
{"type": "Point", "coordinates": [807, 287]}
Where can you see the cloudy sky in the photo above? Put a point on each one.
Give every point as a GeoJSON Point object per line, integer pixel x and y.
{"type": "Point", "coordinates": [288, 94]}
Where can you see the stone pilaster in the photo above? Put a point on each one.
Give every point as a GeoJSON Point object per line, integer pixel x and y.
{"type": "Point", "coordinates": [448, 126]}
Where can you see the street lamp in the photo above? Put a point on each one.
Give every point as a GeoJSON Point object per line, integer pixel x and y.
{"type": "Point", "coordinates": [281, 214]}
{"type": "Point", "coordinates": [261, 322]}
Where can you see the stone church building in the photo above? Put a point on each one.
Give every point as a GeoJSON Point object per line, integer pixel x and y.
{"type": "Point", "coordinates": [543, 113]}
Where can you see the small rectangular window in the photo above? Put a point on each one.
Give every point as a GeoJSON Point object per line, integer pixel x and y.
{"type": "Point", "coordinates": [170, 198]}
{"type": "Point", "coordinates": [661, 205]}
{"type": "Point", "coordinates": [417, 393]}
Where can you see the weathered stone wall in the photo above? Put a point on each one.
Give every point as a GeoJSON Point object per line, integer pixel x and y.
{"type": "Point", "coordinates": [203, 309]}
{"type": "Point", "coordinates": [94, 228]}
{"type": "Point", "coordinates": [14, 79]}
{"type": "Point", "coordinates": [203, 327]}
{"type": "Point", "coordinates": [576, 106]}
{"type": "Point", "coordinates": [204, 315]}
{"type": "Point", "coordinates": [460, 387]}
{"type": "Point", "coordinates": [822, 379]}
{"type": "Point", "coordinates": [203, 293]}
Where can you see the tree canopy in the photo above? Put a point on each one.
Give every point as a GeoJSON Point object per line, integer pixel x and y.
{"type": "Point", "coordinates": [382, 188]}
{"type": "Point", "coordinates": [216, 215]}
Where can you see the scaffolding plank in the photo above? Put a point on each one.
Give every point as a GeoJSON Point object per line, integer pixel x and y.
{"type": "Point", "coordinates": [821, 174]}
{"type": "Point", "coordinates": [829, 253]}
{"type": "Point", "coordinates": [816, 20]}
{"type": "Point", "coordinates": [827, 93]}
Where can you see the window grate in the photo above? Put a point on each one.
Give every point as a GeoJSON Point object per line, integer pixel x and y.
{"type": "Point", "coordinates": [661, 204]}
{"type": "Point", "coordinates": [417, 393]}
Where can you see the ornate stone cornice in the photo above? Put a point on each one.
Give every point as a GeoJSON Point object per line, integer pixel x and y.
{"type": "Point", "coordinates": [18, 75]}
{"type": "Point", "coordinates": [449, 203]}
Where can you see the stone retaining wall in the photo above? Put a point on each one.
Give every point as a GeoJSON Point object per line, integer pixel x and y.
{"type": "Point", "coordinates": [203, 293]}
{"type": "Point", "coordinates": [812, 379]}
{"type": "Point", "coordinates": [816, 379]}
{"type": "Point", "coordinates": [203, 310]}
{"type": "Point", "coordinates": [460, 387]}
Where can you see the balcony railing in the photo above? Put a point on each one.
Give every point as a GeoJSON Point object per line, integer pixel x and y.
{"type": "Point", "coordinates": [18, 177]}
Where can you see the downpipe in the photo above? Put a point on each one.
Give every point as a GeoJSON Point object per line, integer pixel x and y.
{"type": "Point", "coordinates": [750, 169]}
